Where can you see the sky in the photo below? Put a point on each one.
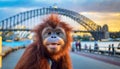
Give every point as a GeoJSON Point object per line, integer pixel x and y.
{"type": "Point", "coordinates": [100, 11]}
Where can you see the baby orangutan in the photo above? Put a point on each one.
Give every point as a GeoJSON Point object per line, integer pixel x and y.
{"type": "Point", "coordinates": [51, 48]}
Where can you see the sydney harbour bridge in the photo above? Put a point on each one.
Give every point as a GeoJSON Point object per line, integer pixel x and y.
{"type": "Point", "coordinates": [23, 19]}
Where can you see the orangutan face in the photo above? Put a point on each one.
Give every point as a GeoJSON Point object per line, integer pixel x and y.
{"type": "Point", "coordinates": [53, 38]}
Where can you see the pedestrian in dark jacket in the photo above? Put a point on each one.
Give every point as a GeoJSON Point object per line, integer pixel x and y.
{"type": "Point", "coordinates": [78, 45]}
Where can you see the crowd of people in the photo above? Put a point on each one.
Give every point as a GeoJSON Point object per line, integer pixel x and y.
{"type": "Point", "coordinates": [111, 49]}
{"type": "Point", "coordinates": [76, 46]}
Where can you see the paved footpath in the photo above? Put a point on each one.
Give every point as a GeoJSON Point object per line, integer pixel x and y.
{"type": "Point", "coordinates": [79, 61]}
{"type": "Point", "coordinates": [85, 62]}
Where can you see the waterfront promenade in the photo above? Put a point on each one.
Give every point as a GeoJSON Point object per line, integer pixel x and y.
{"type": "Point", "coordinates": [80, 60]}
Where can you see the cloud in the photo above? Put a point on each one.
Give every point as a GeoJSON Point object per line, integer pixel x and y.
{"type": "Point", "coordinates": [102, 15]}
{"type": "Point", "coordinates": [104, 6]}
{"type": "Point", "coordinates": [77, 5]}
{"type": "Point", "coordinates": [101, 18]}
{"type": "Point", "coordinates": [100, 11]}
{"type": "Point", "coordinates": [10, 11]}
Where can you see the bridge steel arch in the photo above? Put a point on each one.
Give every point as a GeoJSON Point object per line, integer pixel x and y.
{"type": "Point", "coordinates": [12, 21]}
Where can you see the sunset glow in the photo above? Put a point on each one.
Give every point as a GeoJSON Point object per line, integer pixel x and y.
{"type": "Point", "coordinates": [100, 11]}
{"type": "Point", "coordinates": [101, 18]}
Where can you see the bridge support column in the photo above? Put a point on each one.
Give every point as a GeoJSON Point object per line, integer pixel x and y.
{"type": "Point", "coordinates": [106, 35]}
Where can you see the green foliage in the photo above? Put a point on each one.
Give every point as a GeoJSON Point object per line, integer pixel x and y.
{"type": "Point", "coordinates": [84, 38]}
{"type": "Point", "coordinates": [7, 35]}
{"type": "Point", "coordinates": [79, 37]}
{"type": "Point", "coordinates": [115, 35]}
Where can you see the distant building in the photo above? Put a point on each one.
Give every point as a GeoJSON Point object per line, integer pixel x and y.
{"type": "Point", "coordinates": [105, 29]}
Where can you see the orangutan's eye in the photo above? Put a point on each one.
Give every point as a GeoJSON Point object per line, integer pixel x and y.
{"type": "Point", "coordinates": [58, 33]}
{"type": "Point", "coordinates": [49, 33]}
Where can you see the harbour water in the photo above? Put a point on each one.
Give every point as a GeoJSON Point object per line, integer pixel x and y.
{"type": "Point", "coordinates": [16, 43]}
{"type": "Point", "coordinates": [102, 45]}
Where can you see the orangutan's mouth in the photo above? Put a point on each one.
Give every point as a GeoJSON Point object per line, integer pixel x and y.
{"type": "Point", "coordinates": [53, 44]}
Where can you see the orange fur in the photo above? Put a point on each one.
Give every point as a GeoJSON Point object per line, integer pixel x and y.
{"type": "Point", "coordinates": [36, 56]}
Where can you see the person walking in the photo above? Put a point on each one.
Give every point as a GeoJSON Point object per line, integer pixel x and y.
{"type": "Point", "coordinates": [86, 48]}
{"type": "Point", "coordinates": [78, 45]}
{"type": "Point", "coordinates": [90, 48]}
{"type": "Point", "coordinates": [73, 46]}
{"type": "Point", "coordinates": [109, 49]}
{"type": "Point", "coordinates": [96, 48]}
{"type": "Point", "coordinates": [113, 49]}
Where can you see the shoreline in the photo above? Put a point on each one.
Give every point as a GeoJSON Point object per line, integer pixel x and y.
{"type": "Point", "coordinates": [6, 50]}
